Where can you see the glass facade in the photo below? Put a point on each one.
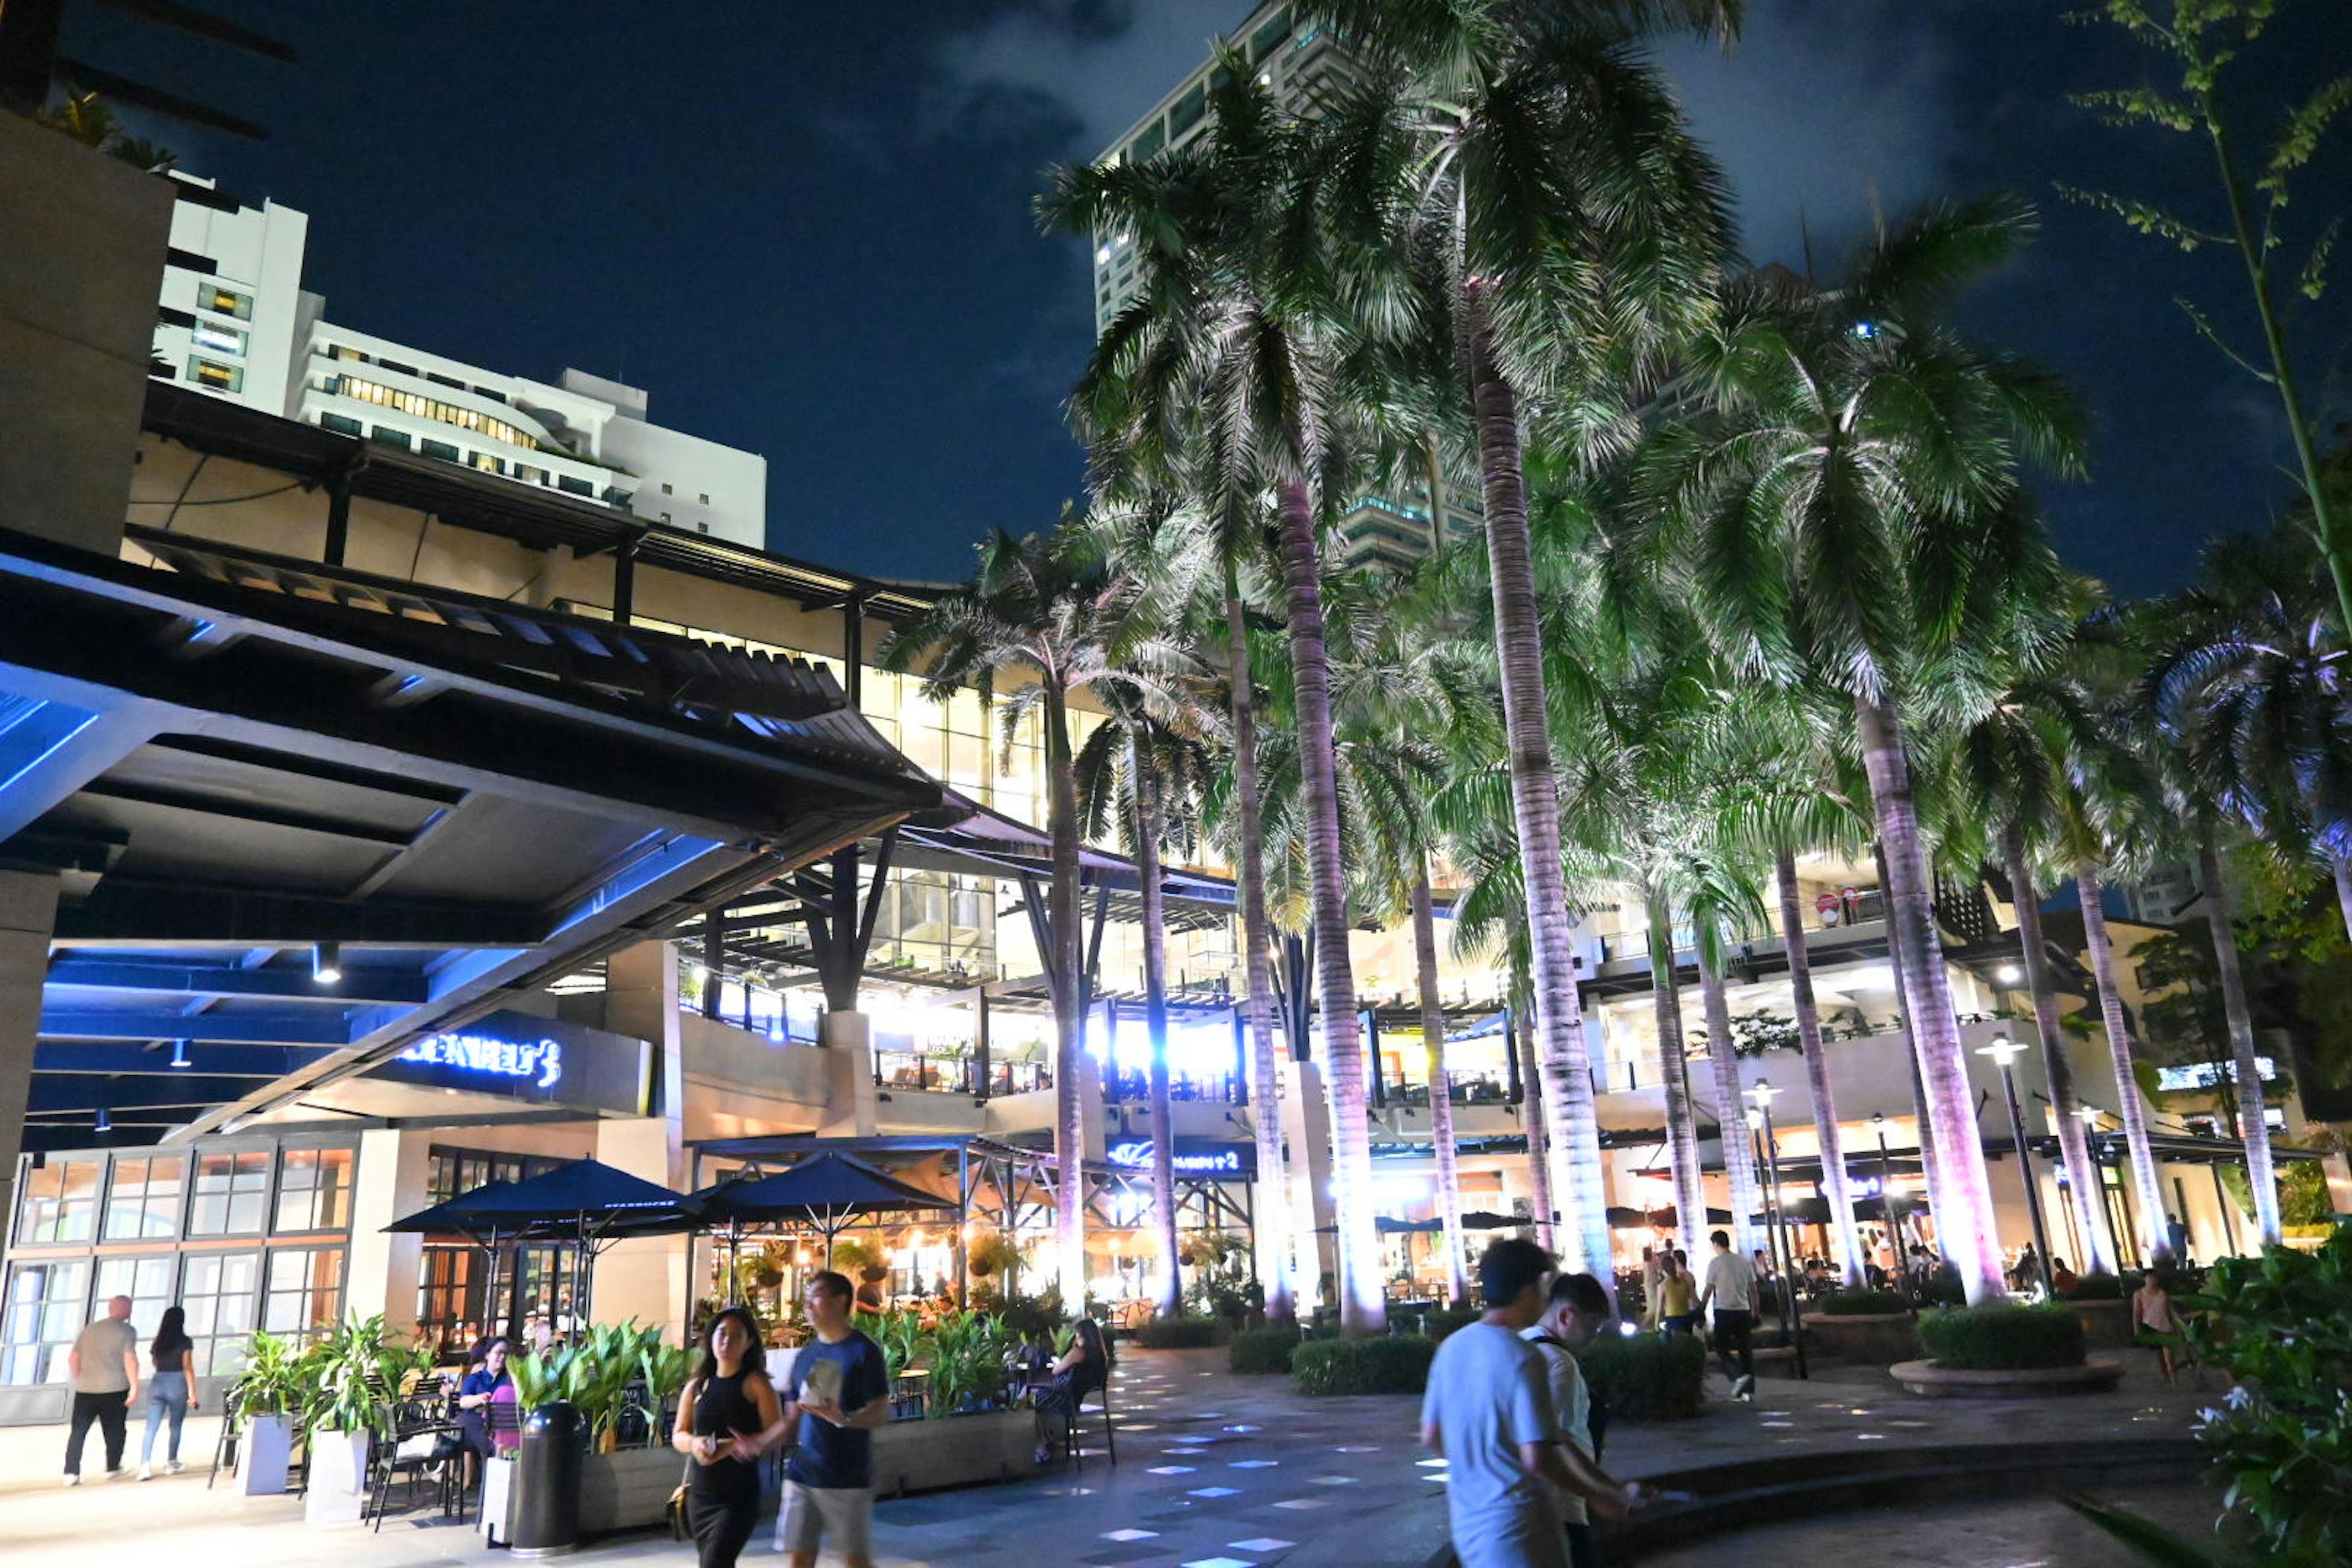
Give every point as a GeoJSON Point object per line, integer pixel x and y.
{"type": "Point", "coordinates": [417, 406]}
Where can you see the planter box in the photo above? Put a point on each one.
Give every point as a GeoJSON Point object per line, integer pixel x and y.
{"type": "Point", "coordinates": [628, 1489]}
{"type": "Point", "coordinates": [338, 1490]}
{"type": "Point", "coordinates": [265, 1449]}
{"type": "Point", "coordinates": [1925, 1378]}
{"type": "Point", "coordinates": [955, 1451]}
{"type": "Point", "coordinates": [2106, 1325]}
{"type": "Point", "coordinates": [1870, 1339]}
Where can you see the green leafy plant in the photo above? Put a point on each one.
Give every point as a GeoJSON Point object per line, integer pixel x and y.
{"type": "Point", "coordinates": [2097, 1288]}
{"type": "Point", "coordinates": [1862, 1303]}
{"type": "Point", "coordinates": [853, 1257]}
{"type": "Point", "coordinates": [967, 1362]}
{"type": "Point", "coordinates": [1258, 1351]}
{"type": "Point", "coordinates": [350, 1376]}
{"type": "Point", "coordinates": [1647, 1377]}
{"type": "Point", "coordinates": [272, 1380]}
{"type": "Point", "coordinates": [1396, 1364]}
{"type": "Point", "coordinates": [1180, 1333]}
{"type": "Point", "coordinates": [2002, 1338]}
{"type": "Point", "coordinates": [594, 1375]}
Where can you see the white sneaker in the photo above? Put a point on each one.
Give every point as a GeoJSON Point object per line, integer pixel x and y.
{"type": "Point", "coordinates": [73, 1480]}
{"type": "Point", "coordinates": [1744, 1388]}
{"type": "Point", "coordinates": [174, 1467]}
{"type": "Point", "coordinates": [146, 1473]}
{"type": "Point", "coordinates": [117, 1473]}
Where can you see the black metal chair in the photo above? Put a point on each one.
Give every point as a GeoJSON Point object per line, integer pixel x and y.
{"type": "Point", "coordinates": [410, 1448]}
{"type": "Point", "coordinates": [1074, 1413]}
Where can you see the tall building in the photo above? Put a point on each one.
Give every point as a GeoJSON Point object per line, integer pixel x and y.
{"type": "Point", "coordinates": [234, 322]}
{"type": "Point", "coordinates": [1293, 56]}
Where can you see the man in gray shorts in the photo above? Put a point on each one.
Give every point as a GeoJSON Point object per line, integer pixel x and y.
{"type": "Point", "coordinates": [837, 1393]}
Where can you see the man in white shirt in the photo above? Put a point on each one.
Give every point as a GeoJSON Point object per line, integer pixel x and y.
{"type": "Point", "coordinates": [1577, 1311]}
{"type": "Point", "coordinates": [1731, 1288]}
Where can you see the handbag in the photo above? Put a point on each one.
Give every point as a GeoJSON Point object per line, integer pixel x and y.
{"type": "Point", "coordinates": [676, 1511]}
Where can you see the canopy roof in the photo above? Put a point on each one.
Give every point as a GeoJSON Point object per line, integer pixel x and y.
{"type": "Point", "coordinates": [825, 1190]}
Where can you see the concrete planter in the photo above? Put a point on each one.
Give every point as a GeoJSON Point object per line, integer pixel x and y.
{"type": "Point", "coordinates": [2106, 1325]}
{"type": "Point", "coordinates": [628, 1489]}
{"type": "Point", "coordinates": [954, 1451]}
{"type": "Point", "coordinates": [1933, 1382]}
{"type": "Point", "coordinates": [1867, 1339]}
{"type": "Point", "coordinates": [265, 1447]}
{"type": "Point", "coordinates": [338, 1488]}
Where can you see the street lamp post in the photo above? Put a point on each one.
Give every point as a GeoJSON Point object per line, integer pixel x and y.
{"type": "Point", "coordinates": [2005, 1051]}
{"type": "Point", "coordinates": [1792, 1317]}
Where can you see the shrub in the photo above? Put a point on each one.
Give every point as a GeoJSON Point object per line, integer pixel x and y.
{"type": "Point", "coordinates": [2002, 1338]}
{"type": "Point", "coordinates": [2097, 1288]}
{"type": "Point", "coordinates": [1261, 1350]}
{"type": "Point", "coordinates": [1647, 1377]}
{"type": "Point", "coordinates": [1396, 1364]}
{"type": "Point", "coordinates": [1180, 1333]}
{"type": "Point", "coordinates": [1862, 1303]}
{"type": "Point", "coordinates": [1438, 1323]}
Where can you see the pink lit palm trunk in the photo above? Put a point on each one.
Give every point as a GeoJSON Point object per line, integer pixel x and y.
{"type": "Point", "coordinates": [2123, 1053]}
{"type": "Point", "coordinates": [1834, 1186]}
{"type": "Point", "coordinates": [1730, 1114]}
{"type": "Point", "coordinates": [2342, 870]}
{"type": "Point", "coordinates": [1363, 1308]}
{"type": "Point", "coordinates": [1070, 1009]}
{"type": "Point", "coordinates": [1440, 1099]}
{"type": "Point", "coordinates": [1964, 1219]}
{"type": "Point", "coordinates": [2260, 1171]}
{"type": "Point", "coordinates": [1272, 1221]}
{"type": "Point", "coordinates": [1146, 797]}
{"type": "Point", "coordinates": [1673, 1076]}
{"type": "Point", "coordinates": [1574, 1117]}
{"type": "Point", "coordinates": [1531, 1116]}
{"type": "Point", "coordinates": [2085, 1188]}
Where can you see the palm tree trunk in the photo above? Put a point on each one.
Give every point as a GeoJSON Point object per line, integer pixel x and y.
{"type": "Point", "coordinates": [1364, 1310]}
{"type": "Point", "coordinates": [1145, 795]}
{"type": "Point", "coordinates": [1069, 1010]}
{"type": "Point", "coordinates": [1930, 1174]}
{"type": "Point", "coordinates": [1834, 1186]}
{"type": "Point", "coordinates": [1673, 1076]}
{"type": "Point", "coordinates": [1964, 1214]}
{"type": "Point", "coordinates": [1271, 1219]}
{"type": "Point", "coordinates": [1531, 1112]}
{"type": "Point", "coordinates": [1441, 1102]}
{"type": "Point", "coordinates": [1575, 1168]}
{"type": "Point", "coordinates": [2154, 1239]}
{"type": "Point", "coordinates": [2086, 1188]}
{"type": "Point", "coordinates": [2256, 1131]}
{"type": "Point", "coordinates": [1730, 1112]}
{"type": "Point", "coordinates": [2343, 870]}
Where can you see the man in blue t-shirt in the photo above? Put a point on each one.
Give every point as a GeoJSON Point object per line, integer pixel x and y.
{"type": "Point", "coordinates": [837, 1393]}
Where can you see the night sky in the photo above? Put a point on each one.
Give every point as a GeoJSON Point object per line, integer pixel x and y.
{"type": "Point", "coordinates": [805, 229]}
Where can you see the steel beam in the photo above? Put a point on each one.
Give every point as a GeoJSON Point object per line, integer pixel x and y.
{"type": "Point", "coordinates": [308, 1027]}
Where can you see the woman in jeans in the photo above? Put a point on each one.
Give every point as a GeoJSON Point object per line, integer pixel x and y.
{"type": "Point", "coordinates": [171, 1391]}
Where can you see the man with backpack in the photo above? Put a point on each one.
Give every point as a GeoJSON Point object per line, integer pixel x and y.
{"type": "Point", "coordinates": [1576, 1308]}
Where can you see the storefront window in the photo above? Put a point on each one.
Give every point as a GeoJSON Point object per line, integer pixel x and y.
{"type": "Point", "coordinates": [146, 1280]}
{"type": "Point", "coordinates": [60, 1202]}
{"type": "Point", "coordinates": [142, 1204]}
{"type": "Point", "coordinates": [305, 1293]}
{"type": "Point", "coordinates": [314, 1190]}
{"type": "Point", "coordinates": [220, 1294]}
{"type": "Point", "coordinates": [450, 1296]}
{"type": "Point", "coordinates": [43, 1313]}
{"type": "Point", "coordinates": [231, 1193]}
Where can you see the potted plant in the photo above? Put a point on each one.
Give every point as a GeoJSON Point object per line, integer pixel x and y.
{"type": "Point", "coordinates": [350, 1376]}
{"type": "Point", "coordinates": [624, 1485]}
{"type": "Point", "coordinates": [264, 1402]}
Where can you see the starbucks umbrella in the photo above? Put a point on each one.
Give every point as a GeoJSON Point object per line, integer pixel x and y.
{"type": "Point", "coordinates": [827, 1192]}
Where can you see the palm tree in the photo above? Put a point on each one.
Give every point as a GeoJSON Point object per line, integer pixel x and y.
{"type": "Point", "coordinates": [1851, 521]}
{"type": "Point", "coordinates": [1555, 215]}
{"type": "Point", "coordinates": [1051, 613]}
{"type": "Point", "coordinates": [1217, 378]}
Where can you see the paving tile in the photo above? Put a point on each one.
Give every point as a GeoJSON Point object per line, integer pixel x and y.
{"type": "Point", "coordinates": [1219, 1563]}
{"type": "Point", "coordinates": [1302, 1502]}
{"type": "Point", "coordinates": [1172, 1469]}
{"type": "Point", "coordinates": [1254, 1464]}
{"type": "Point", "coordinates": [1129, 1534]}
{"type": "Point", "coordinates": [1332, 1480]}
{"type": "Point", "coordinates": [1112, 1556]}
{"type": "Point", "coordinates": [1261, 1543]}
{"type": "Point", "coordinates": [1216, 1491]}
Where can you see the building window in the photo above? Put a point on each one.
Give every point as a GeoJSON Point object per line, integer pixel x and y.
{"type": "Point", "coordinates": [212, 373]}
{"type": "Point", "coordinates": [220, 1292]}
{"type": "Point", "coordinates": [485, 462]}
{"type": "Point", "coordinates": [395, 367]}
{"type": "Point", "coordinates": [528, 474]}
{"type": "Point", "coordinates": [566, 483]}
{"type": "Point", "coordinates": [445, 380]}
{"type": "Point", "coordinates": [146, 1280]}
{"type": "Point", "coordinates": [60, 1202]}
{"type": "Point", "coordinates": [704, 498]}
{"type": "Point", "coordinates": [450, 1295]}
{"type": "Point", "coordinates": [314, 1190]}
{"type": "Point", "coordinates": [226, 340]}
{"type": "Point", "coordinates": [433, 409]}
{"type": "Point", "coordinates": [232, 1194]}
{"type": "Point", "coordinates": [664, 517]}
{"type": "Point", "coordinates": [223, 302]}
{"type": "Point", "coordinates": [43, 1314]}
{"type": "Point", "coordinates": [342, 425]}
{"type": "Point", "coordinates": [493, 397]}
{"type": "Point", "coordinates": [665, 489]}
{"type": "Point", "coordinates": [142, 1204]}
{"type": "Point", "coordinates": [305, 1295]}
{"type": "Point", "coordinates": [702, 527]}
{"type": "Point", "coordinates": [1188, 110]}
{"type": "Point", "coordinates": [384, 436]}
{"type": "Point", "coordinates": [441, 449]}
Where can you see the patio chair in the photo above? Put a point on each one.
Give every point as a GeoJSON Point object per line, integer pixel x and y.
{"type": "Point", "coordinates": [1076, 1413]}
{"type": "Point", "coordinates": [409, 1449]}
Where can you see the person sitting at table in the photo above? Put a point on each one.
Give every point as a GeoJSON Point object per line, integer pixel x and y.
{"type": "Point", "coordinates": [479, 1390]}
{"type": "Point", "coordinates": [1069, 1378]}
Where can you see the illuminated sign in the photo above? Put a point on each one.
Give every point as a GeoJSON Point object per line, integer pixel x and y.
{"type": "Point", "coordinates": [1136, 1155]}
{"type": "Point", "coordinates": [2208, 1075]}
{"type": "Point", "coordinates": [541, 1062]}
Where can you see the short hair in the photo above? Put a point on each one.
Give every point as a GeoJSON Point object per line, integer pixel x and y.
{"type": "Point", "coordinates": [1580, 1292]}
{"type": "Point", "coordinates": [1720, 1238]}
{"type": "Point", "coordinates": [832, 1282]}
{"type": "Point", "coordinates": [1508, 1267]}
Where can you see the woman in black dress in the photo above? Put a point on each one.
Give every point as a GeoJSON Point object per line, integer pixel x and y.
{"type": "Point", "coordinates": [729, 1418]}
{"type": "Point", "coordinates": [1077, 1372]}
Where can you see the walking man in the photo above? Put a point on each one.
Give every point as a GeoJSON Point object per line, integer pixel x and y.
{"type": "Point", "coordinates": [1731, 1288]}
{"type": "Point", "coordinates": [837, 1393]}
{"type": "Point", "coordinates": [1488, 1413]}
{"type": "Point", "coordinates": [1576, 1311]}
{"type": "Point", "coordinates": [104, 1366]}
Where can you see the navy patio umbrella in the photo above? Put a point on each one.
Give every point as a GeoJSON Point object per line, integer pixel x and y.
{"type": "Point", "coordinates": [827, 1192]}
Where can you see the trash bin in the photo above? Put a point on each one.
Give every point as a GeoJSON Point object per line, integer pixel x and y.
{"type": "Point", "coordinates": [546, 1483]}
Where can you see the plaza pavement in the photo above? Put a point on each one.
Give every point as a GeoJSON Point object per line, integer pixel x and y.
{"type": "Point", "coordinates": [1215, 1472]}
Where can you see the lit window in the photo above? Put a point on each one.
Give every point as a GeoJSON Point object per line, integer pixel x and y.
{"type": "Point", "coordinates": [228, 302]}
{"type": "Point", "coordinates": [485, 462]}
{"type": "Point", "coordinates": [218, 376]}
{"type": "Point", "coordinates": [213, 335]}
{"type": "Point", "coordinates": [664, 517]}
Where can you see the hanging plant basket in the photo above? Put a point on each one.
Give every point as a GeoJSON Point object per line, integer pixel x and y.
{"type": "Point", "coordinates": [874, 1276]}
